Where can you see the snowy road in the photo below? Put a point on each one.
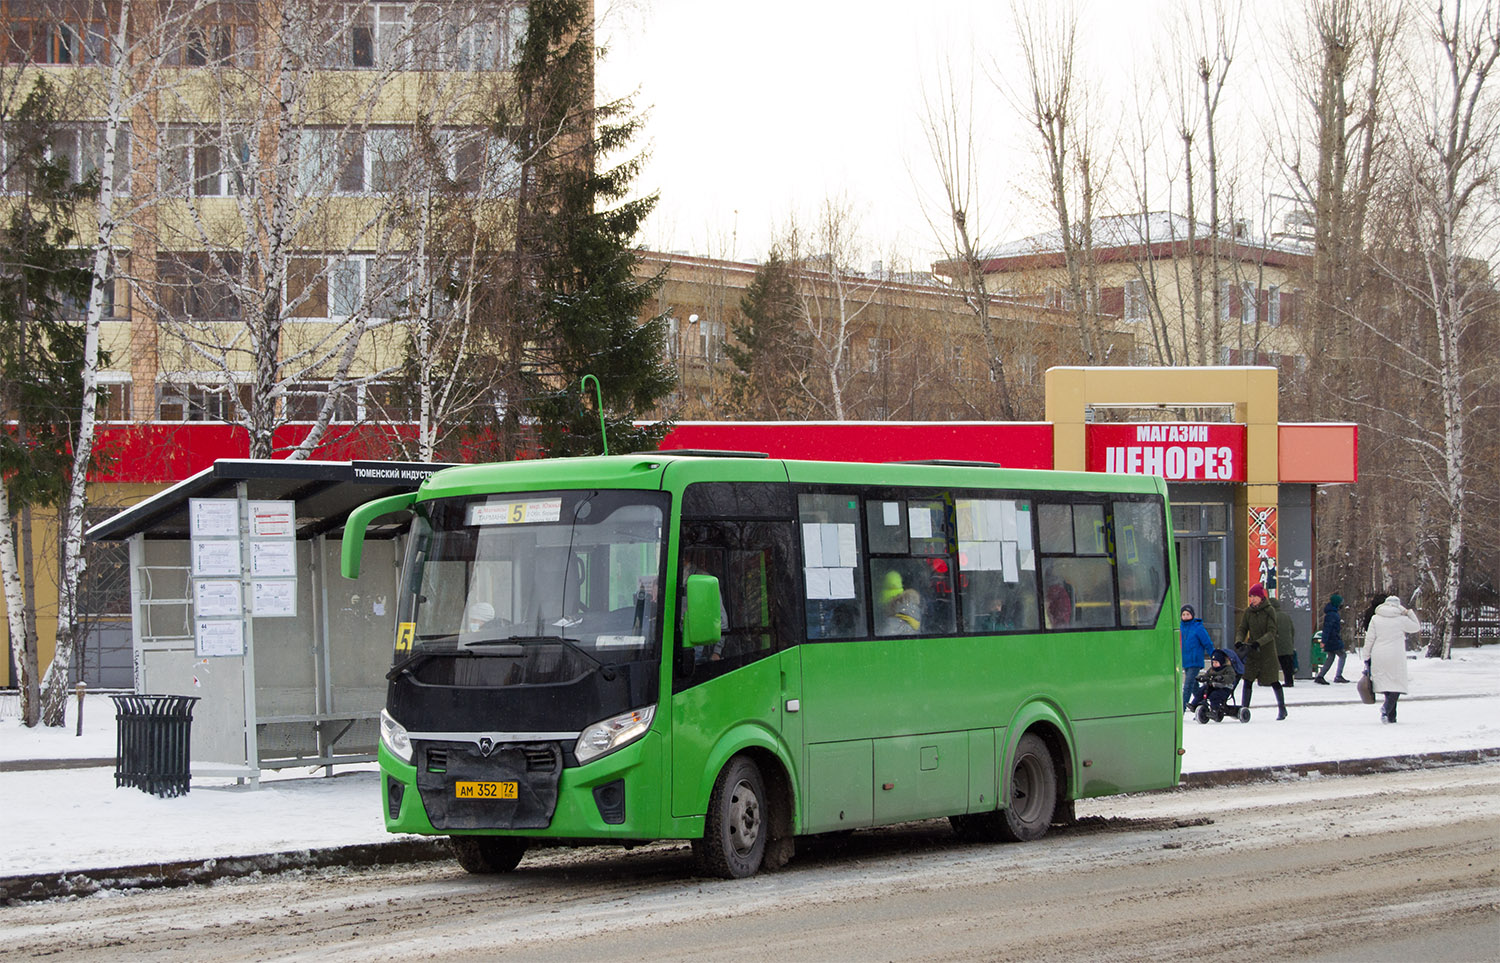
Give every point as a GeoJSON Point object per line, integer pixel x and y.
{"type": "Point", "coordinates": [1312, 869]}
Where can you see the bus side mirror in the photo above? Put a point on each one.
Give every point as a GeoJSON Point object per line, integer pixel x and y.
{"type": "Point", "coordinates": [701, 621]}
{"type": "Point", "coordinates": [354, 528]}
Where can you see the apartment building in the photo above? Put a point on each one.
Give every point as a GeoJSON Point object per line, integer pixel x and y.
{"type": "Point", "coordinates": [1190, 297]}
{"type": "Point", "coordinates": [276, 170]}
{"type": "Point", "coordinates": [898, 346]}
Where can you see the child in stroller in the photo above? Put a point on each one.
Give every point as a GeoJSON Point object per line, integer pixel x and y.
{"type": "Point", "coordinates": [1218, 681]}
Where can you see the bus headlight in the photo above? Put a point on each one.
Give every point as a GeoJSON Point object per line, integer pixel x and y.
{"type": "Point", "coordinates": [611, 734]}
{"type": "Point", "coordinates": [393, 734]}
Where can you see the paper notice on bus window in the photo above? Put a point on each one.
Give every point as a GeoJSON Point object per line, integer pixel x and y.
{"type": "Point", "coordinates": [1007, 532]}
{"type": "Point", "coordinates": [818, 586]}
{"type": "Point", "coordinates": [890, 513]}
{"type": "Point", "coordinates": [841, 583]}
{"type": "Point", "coordinates": [963, 514]}
{"type": "Point", "coordinates": [1023, 527]}
{"type": "Point", "coordinates": [619, 641]}
{"type": "Point", "coordinates": [830, 536]}
{"type": "Point", "coordinates": [812, 545]}
{"type": "Point", "coordinates": [1010, 561]}
{"type": "Point", "coordinates": [1028, 560]}
{"type": "Point", "coordinates": [921, 522]}
{"type": "Point", "coordinates": [989, 556]}
{"type": "Point", "coordinates": [848, 546]}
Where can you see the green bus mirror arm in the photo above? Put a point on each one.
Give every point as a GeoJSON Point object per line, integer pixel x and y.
{"type": "Point", "coordinates": [702, 616]}
{"type": "Point", "coordinates": [359, 520]}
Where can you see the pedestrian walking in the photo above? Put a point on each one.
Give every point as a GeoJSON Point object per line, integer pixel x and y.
{"type": "Point", "coordinates": [1384, 651]}
{"type": "Point", "coordinates": [1255, 641]}
{"type": "Point", "coordinates": [1197, 647]}
{"type": "Point", "coordinates": [1333, 641]}
{"type": "Point", "coordinates": [1286, 644]}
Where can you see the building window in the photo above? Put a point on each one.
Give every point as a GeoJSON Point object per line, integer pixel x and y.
{"type": "Point", "coordinates": [200, 402]}
{"type": "Point", "coordinates": [384, 160]}
{"type": "Point", "coordinates": [40, 33]}
{"type": "Point", "coordinates": [305, 399]}
{"type": "Point", "coordinates": [1248, 306]}
{"type": "Point", "coordinates": [1273, 305]}
{"type": "Point", "coordinates": [406, 36]}
{"type": "Point", "coordinates": [878, 354]}
{"type": "Point", "coordinates": [114, 398]}
{"type": "Point", "coordinates": [197, 162]}
{"type": "Point", "coordinates": [215, 41]}
{"type": "Point", "coordinates": [673, 333]}
{"type": "Point", "coordinates": [387, 403]}
{"type": "Point", "coordinates": [198, 287]}
{"type": "Point", "coordinates": [79, 148]}
{"type": "Point", "coordinates": [1135, 300]}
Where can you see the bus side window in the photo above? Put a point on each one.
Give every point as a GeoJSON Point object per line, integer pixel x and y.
{"type": "Point", "coordinates": [997, 564]}
{"type": "Point", "coordinates": [1140, 554]}
{"type": "Point", "coordinates": [1078, 579]}
{"type": "Point", "coordinates": [832, 566]}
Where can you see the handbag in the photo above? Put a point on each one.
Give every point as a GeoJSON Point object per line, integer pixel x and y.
{"type": "Point", "coordinates": [1366, 689]}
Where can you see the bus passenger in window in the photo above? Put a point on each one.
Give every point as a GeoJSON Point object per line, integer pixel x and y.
{"type": "Point", "coordinates": [904, 615]}
{"type": "Point", "coordinates": [998, 615]}
{"type": "Point", "coordinates": [1059, 598]}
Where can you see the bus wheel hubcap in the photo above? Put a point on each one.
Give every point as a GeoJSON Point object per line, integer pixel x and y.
{"type": "Point", "coordinates": [744, 818]}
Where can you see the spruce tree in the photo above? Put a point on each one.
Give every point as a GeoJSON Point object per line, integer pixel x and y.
{"type": "Point", "coordinates": [558, 294]}
{"type": "Point", "coordinates": [769, 350]}
{"type": "Point", "coordinates": [41, 352]}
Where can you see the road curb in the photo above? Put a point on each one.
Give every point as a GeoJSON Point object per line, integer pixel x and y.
{"type": "Point", "coordinates": [1342, 767]}
{"type": "Point", "coordinates": [19, 889]}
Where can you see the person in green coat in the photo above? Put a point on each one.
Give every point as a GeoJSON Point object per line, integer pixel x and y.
{"type": "Point", "coordinates": [1255, 641]}
{"type": "Point", "coordinates": [1286, 644]}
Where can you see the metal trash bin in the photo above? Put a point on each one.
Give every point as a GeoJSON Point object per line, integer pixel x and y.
{"type": "Point", "coordinates": [153, 738]}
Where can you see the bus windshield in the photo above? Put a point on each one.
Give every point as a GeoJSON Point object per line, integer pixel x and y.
{"type": "Point", "coordinates": [541, 586]}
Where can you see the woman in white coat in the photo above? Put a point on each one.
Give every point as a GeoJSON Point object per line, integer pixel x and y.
{"type": "Point", "coordinates": [1384, 651]}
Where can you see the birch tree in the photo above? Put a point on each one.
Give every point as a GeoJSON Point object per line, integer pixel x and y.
{"type": "Point", "coordinates": [285, 185]}
{"type": "Point", "coordinates": [833, 295]}
{"type": "Point", "coordinates": [41, 355]}
{"type": "Point", "coordinates": [1055, 104]}
{"type": "Point", "coordinates": [1449, 206]}
{"type": "Point", "coordinates": [957, 220]}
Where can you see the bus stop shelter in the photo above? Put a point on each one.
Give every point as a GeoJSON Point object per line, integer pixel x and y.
{"type": "Point", "coordinates": [236, 598]}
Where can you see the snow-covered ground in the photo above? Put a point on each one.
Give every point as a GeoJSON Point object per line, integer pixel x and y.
{"type": "Point", "coordinates": [75, 819]}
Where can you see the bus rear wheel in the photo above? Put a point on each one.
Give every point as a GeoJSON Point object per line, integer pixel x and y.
{"type": "Point", "coordinates": [1033, 792]}
{"type": "Point", "coordinates": [483, 855]}
{"type": "Point", "coordinates": [734, 832]}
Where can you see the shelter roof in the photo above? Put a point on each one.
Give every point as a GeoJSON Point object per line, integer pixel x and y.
{"type": "Point", "coordinates": [325, 493]}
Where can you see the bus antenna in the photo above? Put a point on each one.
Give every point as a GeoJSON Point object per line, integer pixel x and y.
{"type": "Point", "coordinates": [599, 398]}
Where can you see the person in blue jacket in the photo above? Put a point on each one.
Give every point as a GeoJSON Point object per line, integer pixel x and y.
{"type": "Point", "coordinates": [1333, 642]}
{"type": "Point", "coordinates": [1196, 648]}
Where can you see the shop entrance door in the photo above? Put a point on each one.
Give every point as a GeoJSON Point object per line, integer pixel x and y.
{"type": "Point", "coordinates": [1203, 581]}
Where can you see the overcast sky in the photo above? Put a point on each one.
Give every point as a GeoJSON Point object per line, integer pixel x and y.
{"type": "Point", "coordinates": [761, 111]}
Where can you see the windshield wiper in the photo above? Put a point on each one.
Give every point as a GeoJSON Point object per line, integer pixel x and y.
{"type": "Point", "coordinates": [407, 664]}
{"type": "Point", "coordinates": [605, 669]}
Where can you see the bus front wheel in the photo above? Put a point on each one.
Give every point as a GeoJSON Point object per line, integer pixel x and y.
{"type": "Point", "coordinates": [483, 855]}
{"type": "Point", "coordinates": [734, 832]}
{"type": "Point", "coordinates": [1033, 791]}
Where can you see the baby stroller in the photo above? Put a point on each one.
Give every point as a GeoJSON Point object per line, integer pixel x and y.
{"type": "Point", "coordinates": [1219, 681]}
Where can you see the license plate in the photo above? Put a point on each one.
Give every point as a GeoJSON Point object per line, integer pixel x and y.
{"type": "Point", "coordinates": [484, 790]}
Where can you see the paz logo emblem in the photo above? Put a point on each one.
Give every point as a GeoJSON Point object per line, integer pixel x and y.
{"type": "Point", "coordinates": [486, 746]}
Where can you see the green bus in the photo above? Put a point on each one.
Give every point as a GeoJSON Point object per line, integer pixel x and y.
{"type": "Point", "coordinates": [735, 650]}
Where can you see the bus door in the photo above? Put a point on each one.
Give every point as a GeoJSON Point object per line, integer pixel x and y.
{"type": "Point", "coordinates": [748, 682]}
